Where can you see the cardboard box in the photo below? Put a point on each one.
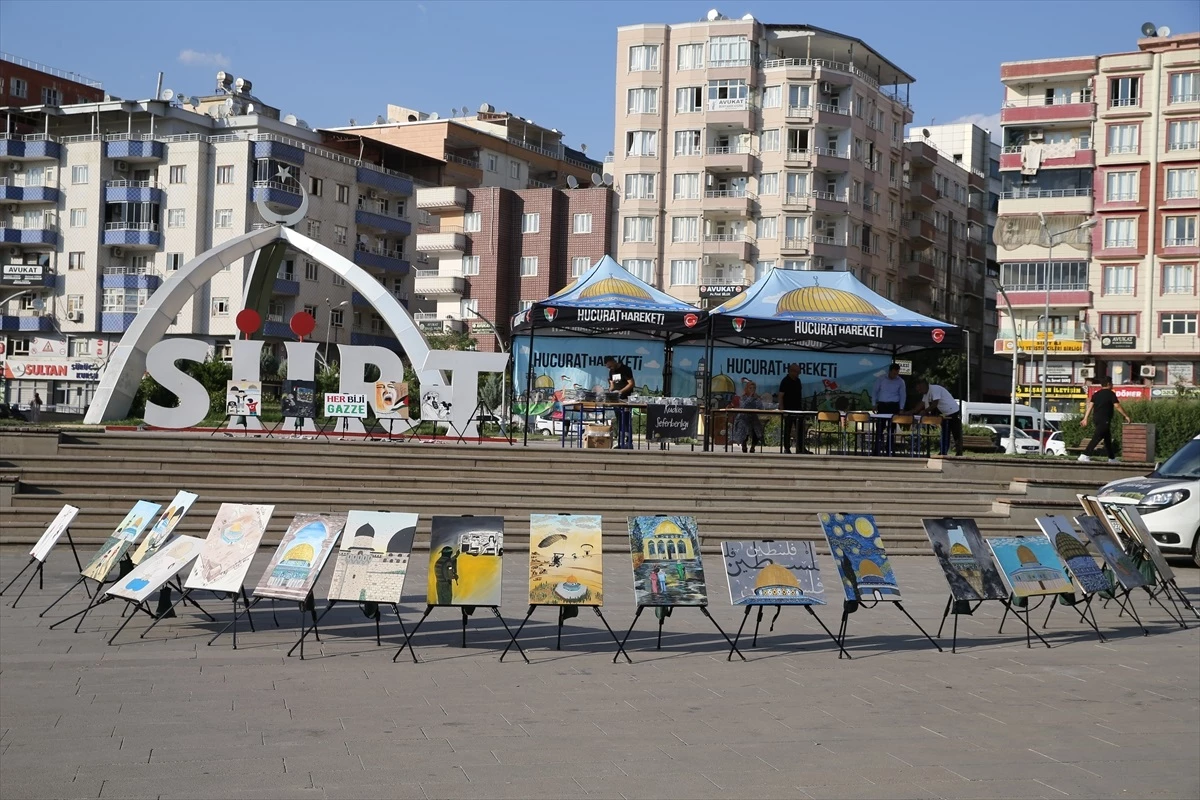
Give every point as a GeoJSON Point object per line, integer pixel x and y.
{"type": "Point", "coordinates": [598, 442]}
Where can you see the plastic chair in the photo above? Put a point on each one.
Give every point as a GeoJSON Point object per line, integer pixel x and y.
{"type": "Point", "coordinates": [927, 427]}
{"type": "Point", "coordinates": [840, 434]}
{"type": "Point", "coordinates": [905, 421]}
{"type": "Point", "coordinates": [861, 421]}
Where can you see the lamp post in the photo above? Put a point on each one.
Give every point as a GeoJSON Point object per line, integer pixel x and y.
{"type": "Point", "coordinates": [329, 324]}
{"type": "Point", "coordinates": [504, 374]}
{"type": "Point", "coordinates": [1012, 411]}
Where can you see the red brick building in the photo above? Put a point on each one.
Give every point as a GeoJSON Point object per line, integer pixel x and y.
{"type": "Point", "coordinates": [26, 83]}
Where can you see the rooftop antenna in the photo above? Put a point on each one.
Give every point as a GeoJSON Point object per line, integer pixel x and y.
{"type": "Point", "coordinates": [572, 182]}
{"type": "Point", "coordinates": [290, 119]}
{"type": "Point", "coordinates": [607, 179]}
{"type": "Point", "coordinates": [925, 132]}
{"type": "Point", "coordinates": [597, 179]}
{"type": "Point", "coordinates": [379, 120]}
{"type": "Point", "coordinates": [465, 110]}
{"type": "Point", "coordinates": [1164, 31]}
{"type": "Point", "coordinates": [353, 122]}
{"type": "Point", "coordinates": [1149, 29]}
{"type": "Point", "coordinates": [166, 95]}
{"type": "Point", "coordinates": [434, 115]}
{"type": "Point", "coordinates": [583, 148]}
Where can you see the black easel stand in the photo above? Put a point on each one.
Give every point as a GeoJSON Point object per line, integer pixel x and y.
{"type": "Point", "coordinates": [39, 572]}
{"type": "Point", "coordinates": [1125, 602]}
{"type": "Point", "coordinates": [850, 606]}
{"type": "Point", "coordinates": [342, 422]}
{"type": "Point", "coordinates": [1016, 612]}
{"type": "Point", "coordinates": [1172, 591]}
{"type": "Point", "coordinates": [561, 619]}
{"type": "Point", "coordinates": [248, 604]}
{"type": "Point", "coordinates": [375, 616]}
{"type": "Point", "coordinates": [662, 618]}
{"type": "Point", "coordinates": [1083, 615]}
{"type": "Point", "coordinates": [778, 609]}
{"type": "Point", "coordinates": [965, 608]}
{"type": "Point", "coordinates": [467, 611]}
{"type": "Point", "coordinates": [296, 428]}
{"type": "Point", "coordinates": [227, 427]}
{"type": "Point", "coordinates": [162, 613]}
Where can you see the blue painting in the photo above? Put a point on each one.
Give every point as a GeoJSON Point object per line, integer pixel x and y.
{"type": "Point", "coordinates": [1072, 549]}
{"type": "Point", "coordinates": [667, 569]}
{"type": "Point", "coordinates": [301, 554]}
{"type": "Point", "coordinates": [773, 573]}
{"type": "Point", "coordinates": [860, 557]}
{"type": "Point", "coordinates": [1121, 565]}
{"type": "Point", "coordinates": [1030, 565]}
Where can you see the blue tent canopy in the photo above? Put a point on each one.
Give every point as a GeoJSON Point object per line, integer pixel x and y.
{"type": "Point", "coordinates": [825, 311]}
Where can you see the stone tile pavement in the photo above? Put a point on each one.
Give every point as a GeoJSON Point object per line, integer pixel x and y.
{"type": "Point", "coordinates": [169, 717]}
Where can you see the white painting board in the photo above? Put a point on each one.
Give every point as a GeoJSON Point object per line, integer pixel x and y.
{"type": "Point", "coordinates": [164, 526]}
{"type": "Point", "coordinates": [54, 532]}
{"type": "Point", "coordinates": [373, 560]}
{"type": "Point", "coordinates": [229, 548]}
{"type": "Point", "coordinates": [148, 577]}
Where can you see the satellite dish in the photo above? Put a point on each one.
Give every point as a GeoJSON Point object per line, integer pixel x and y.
{"type": "Point", "coordinates": [465, 111]}
{"type": "Point", "coordinates": [435, 115]}
{"type": "Point", "coordinates": [1164, 31]}
{"type": "Point", "coordinates": [1149, 29]}
{"type": "Point", "coordinates": [583, 148]}
{"type": "Point", "coordinates": [572, 182]}
{"type": "Point", "coordinates": [353, 122]}
{"type": "Point", "coordinates": [925, 132]}
{"type": "Point", "coordinates": [39, 304]}
{"type": "Point", "coordinates": [597, 179]}
{"type": "Point", "coordinates": [167, 95]}
{"type": "Point", "coordinates": [379, 120]}
{"type": "Point", "coordinates": [290, 119]}
{"type": "Point", "coordinates": [748, 18]}
{"type": "Point", "coordinates": [250, 108]}
{"type": "Point", "coordinates": [608, 179]}
{"type": "Point", "coordinates": [303, 124]}
{"type": "Point", "coordinates": [713, 15]}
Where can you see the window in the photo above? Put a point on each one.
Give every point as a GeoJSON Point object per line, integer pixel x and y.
{"type": "Point", "coordinates": [174, 261]}
{"type": "Point", "coordinates": [1122, 139]}
{"type": "Point", "coordinates": [1118, 280]}
{"type": "Point", "coordinates": [639, 229]}
{"type": "Point", "coordinates": [1122, 92]}
{"type": "Point", "coordinates": [472, 222]}
{"type": "Point", "coordinates": [1179, 232]}
{"type": "Point", "coordinates": [640, 186]}
{"type": "Point", "coordinates": [581, 223]}
{"type": "Point", "coordinates": [727, 94]}
{"type": "Point", "coordinates": [1120, 233]}
{"type": "Point", "coordinates": [1030, 276]}
{"type": "Point", "coordinates": [492, 162]}
{"type": "Point", "coordinates": [310, 270]}
{"type": "Point", "coordinates": [1183, 134]}
{"type": "Point", "coordinates": [797, 186]}
{"type": "Point", "coordinates": [529, 265]}
{"type": "Point", "coordinates": [339, 234]}
{"type": "Point", "coordinates": [313, 228]}
{"type": "Point", "coordinates": [642, 268]}
{"type": "Point", "coordinates": [642, 101]}
{"type": "Point", "coordinates": [689, 56]}
{"type": "Point", "coordinates": [770, 141]}
{"type": "Point", "coordinates": [768, 183]}
{"type": "Point", "coordinates": [795, 265]}
{"type": "Point", "coordinates": [223, 218]}
{"type": "Point", "coordinates": [686, 186]}
{"type": "Point", "coordinates": [768, 228]}
{"type": "Point", "coordinates": [687, 143]}
{"type": "Point", "coordinates": [75, 260]}
{"type": "Point", "coordinates": [79, 174]}
{"type": "Point", "coordinates": [689, 99]}
{"type": "Point", "coordinates": [514, 170]}
{"type": "Point", "coordinates": [683, 272]}
{"type": "Point", "coordinates": [468, 308]}
{"type": "Point", "coordinates": [287, 270]}
{"type": "Point", "coordinates": [311, 311]}
{"type": "Point", "coordinates": [1181, 183]}
{"type": "Point", "coordinates": [51, 97]}
{"type": "Point", "coordinates": [225, 174]}
{"type": "Point", "coordinates": [178, 174]}
{"type": "Point", "coordinates": [18, 88]}
{"type": "Point", "coordinates": [728, 51]}
{"type": "Point", "coordinates": [176, 217]}
{"type": "Point", "coordinates": [685, 229]}
{"type": "Point", "coordinates": [772, 97]}
{"type": "Point", "coordinates": [343, 193]}
{"type": "Point", "coordinates": [580, 265]}
{"type": "Point", "coordinates": [1179, 279]}
{"type": "Point", "coordinates": [470, 265]}
{"type": "Point", "coordinates": [35, 176]}
{"type": "Point", "coordinates": [335, 318]}
{"type": "Point", "coordinates": [531, 223]}
{"type": "Point", "coordinates": [1178, 323]}
{"type": "Point", "coordinates": [1184, 87]}
{"type": "Point", "coordinates": [643, 58]}
{"type": "Point", "coordinates": [220, 306]}
{"type": "Point", "coordinates": [795, 229]}
{"type": "Point", "coordinates": [315, 186]}
{"type": "Point", "coordinates": [78, 217]}
{"type": "Point", "coordinates": [641, 143]}
{"type": "Point", "coordinates": [1121, 186]}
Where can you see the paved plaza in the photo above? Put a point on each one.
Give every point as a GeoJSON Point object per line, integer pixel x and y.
{"type": "Point", "coordinates": [170, 717]}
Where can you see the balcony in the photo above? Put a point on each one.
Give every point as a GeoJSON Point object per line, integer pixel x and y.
{"type": "Point", "coordinates": [730, 159]}
{"type": "Point", "coordinates": [13, 193]}
{"type": "Point", "coordinates": [382, 222]}
{"type": "Point", "coordinates": [799, 112]}
{"type": "Point", "coordinates": [443, 242]}
{"type": "Point", "coordinates": [116, 321]}
{"type": "Point", "coordinates": [37, 232]}
{"type": "Point", "coordinates": [828, 248]}
{"type": "Point", "coordinates": [829, 201]}
{"type": "Point", "coordinates": [976, 215]}
{"type": "Point", "coordinates": [432, 322]}
{"type": "Point", "coordinates": [442, 198]}
{"type": "Point", "coordinates": [133, 192]}
{"type": "Point", "coordinates": [1061, 201]}
{"type": "Point", "coordinates": [118, 277]}
{"type": "Point", "coordinates": [734, 245]}
{"type": "Point", "coordinates": [824, 110]}
{"type": "Point", "coordinates": [285, 287]}
{"type": "Point", "coordinates": [358, 300]}
{"type": "Point", "coordinates": [277, 193]}
{"type": "Point", "coordinates": [976, 250]}
{"type": "Point", "coordinates": [795, 246]}
{"type": "Point", "coordinates": [120, 147]}
{"type": "Point", "coordinates": [730, 113]}
{"type": "Point", "coordinates": [34, 147]}
{"type": "Point", "coordinates": [729, 201]}
{"type": "Point", "coordinates": [918, 270]}
{"type": "Point", "coordinates": [795, 202]}
{"type": "Point", "coordinates": [1047, 69]}
{"type": "Point", "coordinates": [26, 322]}
{"type": "Point", "coordinates": [922, 155]}
{"type": "Point", "coordinates": [141, 235]}
{"type": "Point", "coordinates": [430, 283]}
{"type": "Point", "coordinates": [390, 261]}
{"type": "Point", "coordinates": [921, 232]}
{"type": "Point", "coordinates": [384, 181]}
{"type": "Point", "coordinates": [921, 192]}
{"type": "Point", "coordinates": [827, 158]}
{"type": "Point", "coordinates": [278, 151]}
{"type": "Point", "coordinates": [797, 156]}
{"type": "Point", "coordinates": [1052, 156]}
{"type": "Point", "coordinates": [1035, 111]}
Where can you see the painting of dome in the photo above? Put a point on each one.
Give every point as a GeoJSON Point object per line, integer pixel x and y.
{"type": "Point", "coordinates": [1083, 567]}
{"type": "Point", "coordinates": [868, 569]}
{"type": "Point", "coordinates": [959, 550]}
{"type": "Point", "coordinates": [963, 556]}
{"type": "Point", "coordinates": [616, 286]}
{"type": "Point", "coordinates": [775, 575]}
{"type": "Point", "coordinates": [372, 566]}
{"type": "Point", "coordinates": [823, 300]}
{"type": "Point", "coordinates": [302, 553]}
{"type": "Point", "coordinates": [1030, 565]}
{"type": "Point", "coordinates": [1069, 547]}
{"type": "Point", "coordinates": [722, 384]}
{"type": "Point", "coordinates": [732, 302]}
{"type": "Point", "coordinates": [667, 528]}
{"type": "Point", "coordinates": [1026, 556]}
{"type": "Point", "coordinates": [667, 568]}
{"type": "Point", "coordinates": [543, 382]}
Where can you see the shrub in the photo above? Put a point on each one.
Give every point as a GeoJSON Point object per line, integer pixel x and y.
{"type": "Point", "coordinates": [1175, 422]}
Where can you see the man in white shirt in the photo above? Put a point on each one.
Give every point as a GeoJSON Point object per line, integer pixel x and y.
{"type": "Point", "coordinates": [937, 400]}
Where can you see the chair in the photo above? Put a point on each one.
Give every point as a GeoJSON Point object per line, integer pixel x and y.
{"type": "Point", "coordinates": [927, 427]}
{"type": "Point", "coordinates": [861, 421]}
{"type": "Point", "coordinates": [899, 421]}
{"type": "Point", "coordinates": [839, 433]}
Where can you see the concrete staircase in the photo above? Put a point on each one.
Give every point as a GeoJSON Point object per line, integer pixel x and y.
{"type": "Point", "coordinates": [731, 495]}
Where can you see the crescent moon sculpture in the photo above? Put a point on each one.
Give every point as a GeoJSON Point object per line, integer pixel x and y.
{"type": "Point", "coordinates": [286, 220]}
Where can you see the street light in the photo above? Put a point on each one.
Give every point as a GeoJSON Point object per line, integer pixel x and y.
{"type": "Point", "coordinates": [1012, 412]}
{"type": "Point", "coordinates": [504, 374]}
{"type": "Point", "coordinates": [1085, 225]}
{"type": "Point", "coordinates": [329, 324]}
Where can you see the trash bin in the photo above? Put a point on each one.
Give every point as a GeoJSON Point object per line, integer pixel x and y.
{"type": "Point", "coordinates": [1138, 441]}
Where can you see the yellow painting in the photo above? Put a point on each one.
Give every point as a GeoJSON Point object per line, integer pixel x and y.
{"type": "Point", "coordinates": [565, 560]}
{"type": "Point", "coordinates": [465, 561]}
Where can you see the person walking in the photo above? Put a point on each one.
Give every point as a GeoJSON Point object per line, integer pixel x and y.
{"type": "Point", "coordinates": [35, 408]}
{"type": "Point", "coordinates": [748, 428]}
{"type": "Point", "coordinates": [937, 401]}
{"type": "Point", "coordinates": [887, 397]}
{"type": "Point", "coordinates": [1100, 408]}
{"type": "Point", "coordinates": [791, 398]}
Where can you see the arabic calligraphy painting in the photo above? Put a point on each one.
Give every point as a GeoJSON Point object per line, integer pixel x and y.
{"type": "Point", "coordinates": [667, 570]}
{"type": "Point", "coordinates": [965, 559]}
{"type": "Point", "coordinates": [773, 573]}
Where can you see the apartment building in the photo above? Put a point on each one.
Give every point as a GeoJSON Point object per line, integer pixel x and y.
{"type": "Point", "coordinates": [1114, 139]}
{"type": "Point", "coordinates": [102, 201]}
{"type": "Point", "coordinates": [742, 147]}
{"type": "Point", "coordinates": [495, 251]}
{"type": "Point", "coordinates": [26, 83]}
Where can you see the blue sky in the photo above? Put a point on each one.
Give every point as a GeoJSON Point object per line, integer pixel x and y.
{"type": "Point", "coordinates": [552, 62]}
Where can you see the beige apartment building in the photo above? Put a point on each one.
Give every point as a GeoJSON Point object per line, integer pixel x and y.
{"type": "Point", "coordinates": [742, 147]}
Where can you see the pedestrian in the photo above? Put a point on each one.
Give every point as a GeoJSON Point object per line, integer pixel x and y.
{"type": "Point", "coordinates": [748, 428]}
{"type": "Point", "coordinates": [791, 398]}
{"type": "Point", "coordinates": [887, 397]}
{"type": "Point", "coordinates": [1100, 407]}
{"type": "Point", "coordinates": [937, 401]}
{"type": "Point", "coordinates": [35, 408]}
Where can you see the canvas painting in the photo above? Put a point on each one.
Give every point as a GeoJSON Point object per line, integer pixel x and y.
{"type": "Point", "coordinates": [1131, 520]}
{"type": "Point", "coordinates": [1072, 549]}
{"type": "Point", "coordinates": [390, 398]}
{"type": "Point", "coordinates": [773, 573]}
{"type": "Point", "coordinates": [164, 527]}
{"type": "Point", "coordinates": [300, 557]}
{"type": "Point", "coordinates": [860, 557]}
{"type": "Point", "coordinates": [667, 569]}
{"type": "Point", "coordinates": [121, 540]}
{"type": "Point", "coordinates": [1030, 565]}
{"type": "Point", "coordinates": [373, 560]}
{"type": "Point", "coordinates": [565, 560]}
{"type": "Point", "coordinates": [465, 561]}
{"type": "Point", "coordinates": [54, 531]}
{"type": "Point", "coordinates": [1109, 548]}
{"type": "Point", "coordinates": [965, 559]}
{"type": "Point", "coordinates": [298, 399]}
{"type": "Point", "coordinates": [243, 398]}
{"type": "Point", "coordinates": [148, 577]}
{"type": "Point", "coordinates": [229, 548]}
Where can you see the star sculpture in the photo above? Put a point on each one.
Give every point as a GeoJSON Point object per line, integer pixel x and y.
{"type": "Point", "coordinates": [284, 174]}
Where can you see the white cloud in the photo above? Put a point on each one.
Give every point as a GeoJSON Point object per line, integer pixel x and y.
{"type": "Point", "coordinates": [652, 365]}
{"type": "Point", "coordinates": [196, 58]}
{"type": "Point", "coordinates": [989, 122]}
{"type": "Point", "coordinates": [866, 362]}
{"type": "Point", "coordinates": [641, 351]}
{"type": "Point", "coordinates": [687, 362]}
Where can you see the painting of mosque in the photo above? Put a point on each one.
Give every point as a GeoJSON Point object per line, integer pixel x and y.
{"type": "Point", "coordinates": [300, 557]}
{"type": "Point", "coordinates": [965, 559]}
{"type": "Point", "coordinates": [229, 547]}
{"type": "Point", "coordinates": [148, 577]}
{"type": "Point", "coordinates": [773, 573]}
{"type": "Point", "coordinates": [667, 569]}
{"type": "Point", "coordinates": [465, 561]}
{"type": "Point", "coordinates": [1030, 565]}
{"type": "Point", "coordinates": [54, 531]}
{"type": "Point", "coordinates": [119, 542]}
{"type": "Point", "coordinates": [860, 557]}
{"type": "Point", "coordinates": [373, 560]}
{"type": "Point", "coordinates": [565, 560]}
{"type": "Point", "coordinates": [1073, 550]}
{"type": "Point", "coordinates": [164, 526]}
{"type": "Point", "coordinates": [1116, 559]}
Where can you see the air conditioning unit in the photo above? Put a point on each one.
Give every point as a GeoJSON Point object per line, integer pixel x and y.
{"type": "Point", "coordinates": [371, 194]}
{"type": "Point", "coordinates": [1148, 370]}
{"type": "Point", "coordinates": [826, 87]}
{"type": "Point", "coordinates": [12, 208]}
{"type": "Point", "coordinates": [121, 166]}
{"type": "Point", "coordinates": [1087, 372]}
{"type": "Point", "coordinates": [1089, 362]}
{"type": "Point", "coordinates": [75, 316]}
{"type": "Point", "coordinates": [118, 251]}
{"type": "Point", "coordinates": [1037, 135]}
{"type": "Point", "coordinates": [706, 260]}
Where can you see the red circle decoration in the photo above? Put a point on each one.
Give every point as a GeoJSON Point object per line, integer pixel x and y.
{"type": "Point", "coordinates": [302, 323]}
{"type": "Point", "coordinates": [690, 320]}
{"type": "Point", "coordinates": [938, 335]}
{"type": "Point", "coordinates": [248, 321]}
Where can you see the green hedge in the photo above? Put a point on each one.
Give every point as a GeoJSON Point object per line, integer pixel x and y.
{"type": "Point", "coordinates": [1175, 422]}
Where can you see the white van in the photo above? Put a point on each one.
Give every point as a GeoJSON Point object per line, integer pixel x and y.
{"type": "Point", "coordinates": [998, 414]}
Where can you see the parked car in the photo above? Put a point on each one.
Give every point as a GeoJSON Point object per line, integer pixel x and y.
{"type": "Point", "coordinates": [548, 425]}
{"type": "Point", "coordinates": [1025, 442]}
{"type": "Point", "coordinates": [1168, 500]}
{"type": "Point", "coordinates": [1055, 446]}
